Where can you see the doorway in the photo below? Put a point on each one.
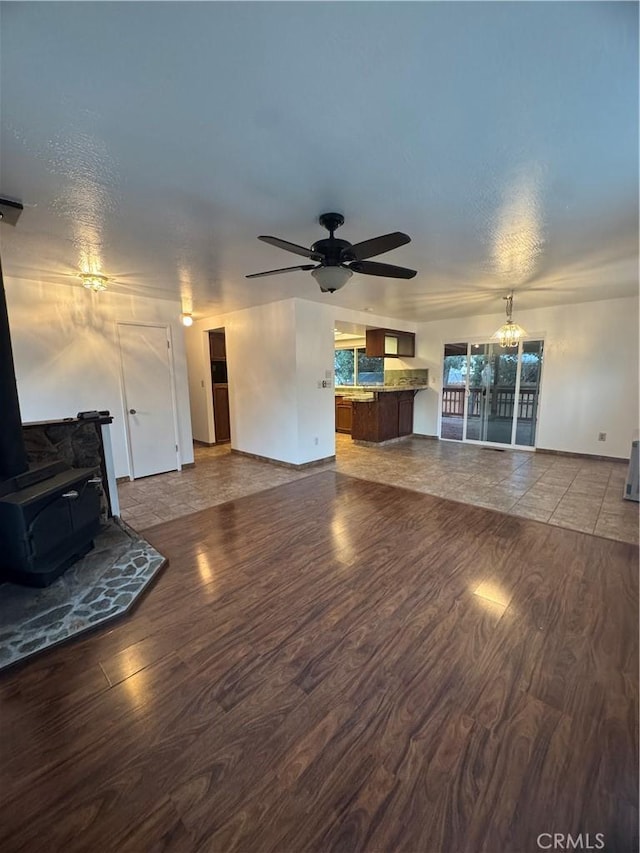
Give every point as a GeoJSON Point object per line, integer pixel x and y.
{"type": "Point", "coordinates": [490, 394]}
{"type": "Point", "coordinates": [219, 386]}
{"type": "Point", "coordinates": [149, 398]}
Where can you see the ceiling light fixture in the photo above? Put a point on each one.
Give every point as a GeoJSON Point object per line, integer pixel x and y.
{"type": "Point", "coordinates": [509, 334]}
{"type": "Point", "coordinates": [187, 319]}
{"type": "Point", "coordinates": [331, 278]}
{"type": "Point", "coordinates": [10, 211]}
{"type": "Point", "coordinates": [94, 281]}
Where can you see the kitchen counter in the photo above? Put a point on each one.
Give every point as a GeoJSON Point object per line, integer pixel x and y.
{"type": "Point", "coordinates": [356, 391]}
{"type": "Point", "coordinates": [376, 413]}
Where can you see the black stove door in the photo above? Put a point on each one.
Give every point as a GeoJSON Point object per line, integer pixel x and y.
{"type": "Point", "coordinates": [64, 524]}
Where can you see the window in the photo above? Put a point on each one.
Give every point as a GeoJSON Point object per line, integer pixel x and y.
{"type": "Point", "coordinates": [354, 367]}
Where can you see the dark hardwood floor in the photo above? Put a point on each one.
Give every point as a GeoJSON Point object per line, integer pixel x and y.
{"type": "Point", "coordinates": [338, 665]}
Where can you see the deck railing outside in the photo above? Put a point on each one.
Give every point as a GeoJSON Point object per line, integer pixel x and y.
{"type": "Point", "coordinates": [502, 402]}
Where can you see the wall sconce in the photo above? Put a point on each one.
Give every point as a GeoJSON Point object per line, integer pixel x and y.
{"type": "Point", "coordinates": [94, 281]}
{"type": "Point", "coordinates": [187, 319]}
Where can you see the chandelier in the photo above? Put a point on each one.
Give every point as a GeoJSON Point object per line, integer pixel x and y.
{"type": "Point", "coordinates": [94, 281]}
{"type": "Point", "coordinates": [509, 334]}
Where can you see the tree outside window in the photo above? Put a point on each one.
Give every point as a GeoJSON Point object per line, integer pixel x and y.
{"type": "Point", "coordinates": [355, 367]}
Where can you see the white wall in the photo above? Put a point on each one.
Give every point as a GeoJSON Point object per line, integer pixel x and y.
{"type": "Point", "coordinates": [315, 364]}
{"type": "Point", "coordinates": [262, 390]}
{"type": "Point", "coordinates": [67, 358]}
{"type": "Point", "coordinates": [590, 372]}
{"type": "Point", "coordinates": [276, 356]}
{"type": "Point", "coordinates": [277, 353]}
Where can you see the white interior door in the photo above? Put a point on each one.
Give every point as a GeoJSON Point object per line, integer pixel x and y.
{"type": "Point", "coordinates": [149, 398]}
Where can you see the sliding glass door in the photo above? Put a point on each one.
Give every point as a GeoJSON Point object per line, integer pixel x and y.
{"type": "Point", "coordinates": [454, 391]}
{"type": "Point", "coordinates": [490, 393]}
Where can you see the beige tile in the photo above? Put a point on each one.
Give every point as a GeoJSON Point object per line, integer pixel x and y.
{"type": "Point", "coordinates": [579, 517]}
{"type": "Point", "coordinates": [621, 508]}
{"type": "Point", "coordinates": [533, 512]}
{"type": "Point", "coordinates": [582, 525]}
{"type": "Point", "coordinates": [126, 500]}
{"type": "Point", "coordinates": [579, 505]}
{"type": "Point", "coordinates": [144, 521]}
{"type": "Point", "coordinates": [587, 492]}
{"type": "Point", "coordinates": [615, 527]}
{"type": "Point", "coordinates": [567, 492]}
{"type": "Point", "coordinates": [549, 479]}
{"type": "Point", "coordinates": [541, 501]}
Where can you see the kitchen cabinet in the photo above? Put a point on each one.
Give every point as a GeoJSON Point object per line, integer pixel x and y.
{"type": "Point", "coordinates": [344, 415]}
{"type": "Point", "coordinates": [221, 413]}
{"type": "Point", "coordinates": [405, 414]}
{"type": "Point", "coordinates": [217, 346]}
{"type": "Point", "coordinates": [220, 389]}
{"type": "Point", "coordinates": [389, 415]}
{"type": "Point", "coordinates": [389, 343]}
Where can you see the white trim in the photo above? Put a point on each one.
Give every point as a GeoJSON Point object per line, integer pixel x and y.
{"type": "Point", "coordinates": [208, 387]}
{"type": "Point", "coordinates": [497, 444]}
{"type": "Point", "coordinates": [516, 396]}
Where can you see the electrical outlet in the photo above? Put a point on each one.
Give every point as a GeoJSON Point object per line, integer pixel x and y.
{"type": "Point", "coordinates": [319, 383]}
{"type": "Point", "coordinates": [328, 374]}
{"type": "Point", "coordinates": [602, 436]}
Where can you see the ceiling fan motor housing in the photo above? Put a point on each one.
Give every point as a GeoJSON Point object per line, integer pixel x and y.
{"type": "Point", "coordinates": [331, 249]}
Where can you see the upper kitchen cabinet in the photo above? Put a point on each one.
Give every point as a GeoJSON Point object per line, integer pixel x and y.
{"type": "Point", "coordinates": [389, 343]}
{"type": "Point", "coordinates": [217, 346]}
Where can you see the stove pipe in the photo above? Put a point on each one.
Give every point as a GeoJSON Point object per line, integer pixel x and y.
{"type": "Point", "coordinates": [13, 456]}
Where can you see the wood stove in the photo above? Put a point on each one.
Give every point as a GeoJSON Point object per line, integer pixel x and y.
{"type": "Point", "coordinates": [49, 513]}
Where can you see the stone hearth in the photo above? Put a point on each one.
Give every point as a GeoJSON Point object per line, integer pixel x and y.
{"type": "Point", "coordinates": [100, 587]}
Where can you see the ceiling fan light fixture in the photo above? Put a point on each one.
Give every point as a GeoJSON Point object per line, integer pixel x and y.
{"type": "Point", "coordinates": [94, 281]}
{"type": "Point", "coordinates": [331, 278]}
{"type": "Point", "coordinates": [510, 333]}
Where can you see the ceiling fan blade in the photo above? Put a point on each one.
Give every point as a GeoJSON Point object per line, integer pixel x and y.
{"type": "Point", "coordinates": [284, 269]}
{"type": "Point", "coordinates": [369, 248]}
{"type": "Point", "coordinates": [291, 247]}
{"type": "Point", "coordinates": [388, 270]}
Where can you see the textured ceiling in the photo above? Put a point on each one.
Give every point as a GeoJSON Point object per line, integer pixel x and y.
{"type": "Point", "coordinates": [154, 141]}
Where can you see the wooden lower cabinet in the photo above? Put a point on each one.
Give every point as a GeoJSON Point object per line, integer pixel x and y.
{"type": "Point", "coordinates": [221, 413]}
{"type": "Point", "coordinates": [344, 415]}
{"type": "Point", "coordinates": [388, 416]}
{"type": "Point", "coordinates": [405, 415]}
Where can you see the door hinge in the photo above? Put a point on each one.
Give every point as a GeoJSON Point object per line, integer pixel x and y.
{"type": "Point", "coordinates": [168, 344]}
{"type": "Point", "coordinates": [176, 448]}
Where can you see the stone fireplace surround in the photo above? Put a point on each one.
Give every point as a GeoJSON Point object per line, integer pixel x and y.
{"type": "Point", "coordinates": [101, 586]}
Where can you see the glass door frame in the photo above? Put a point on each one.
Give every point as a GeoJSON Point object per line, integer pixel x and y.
{"type": "Point", "coordinates": [471, 342]}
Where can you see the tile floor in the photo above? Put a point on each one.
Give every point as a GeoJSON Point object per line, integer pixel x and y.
{"type": "Point", "coordinates": [219, 476]}
{"type": "Point", "coordinates": [581, 494]}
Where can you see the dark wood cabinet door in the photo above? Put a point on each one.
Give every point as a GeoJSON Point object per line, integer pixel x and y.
{"type": "Point", "coordinates": [344, 416]}
{"type": "Point", "coordinates": [221, 413]}
{"type": "Point", "coordinates": [375, 343]}
{"type": "Point", "coordinates": [390, 343]}
{"type": "Point", "coordinates": [405, 416]}
{"type": "Point", "coordinates": [406, 345]}
{"type": "Point", "coordinates": [217, 346]}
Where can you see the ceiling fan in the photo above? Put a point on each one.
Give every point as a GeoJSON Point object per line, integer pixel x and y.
{"type": "Point", "coordinates": [336, 259]}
